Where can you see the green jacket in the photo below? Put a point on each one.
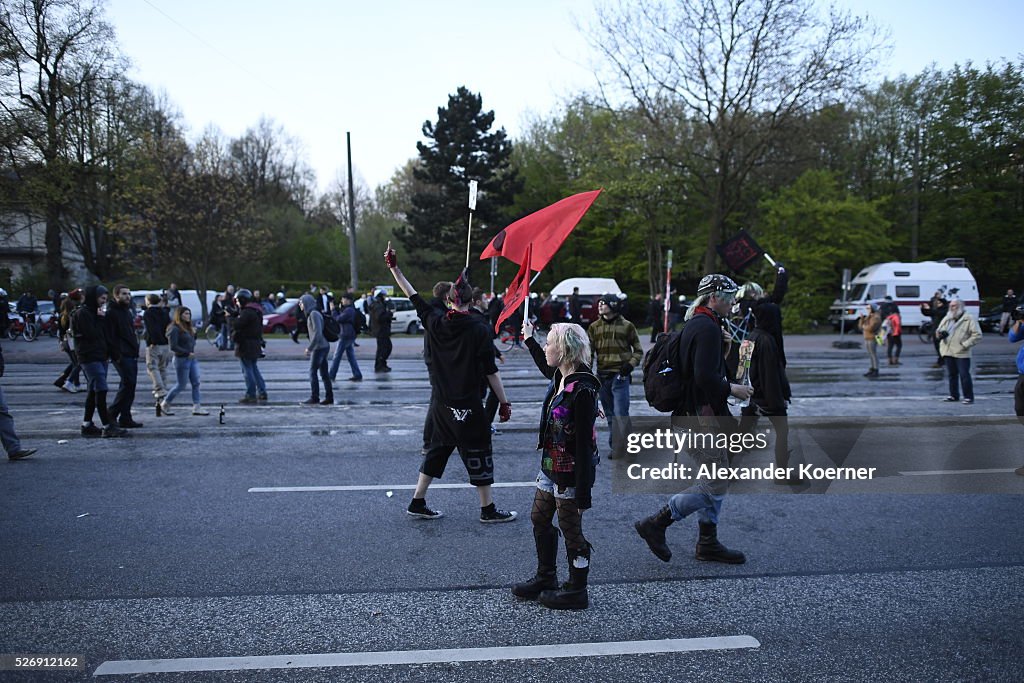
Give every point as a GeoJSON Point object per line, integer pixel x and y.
{"type": "Point", "coordinates": [614, 342]}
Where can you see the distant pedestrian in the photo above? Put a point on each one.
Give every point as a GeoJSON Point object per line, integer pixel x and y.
{"type": "Point", "coordinates": [88, 326]}
{"type": "Point", "coordinates": [958, 333]}
{"type": "Point", "coordinates": [248, 340]}
{"type": "Point", "coordinates": [173, 297]}
{"type": "Point", "coordinates": [155, 320]}
{"type": "Point", "coordinates": [870, 324]}
{"type": "Point", "coordinates": [12, 444]}
{"type": "Point", "coordinates": [575, 306]}
{"type": "Point", "coordinates": [69, 378]}
{"type": "Point", "coordinates": [656, 316]}
{"type": "Point", "coordinates": [317, 351]}
{"type": "Point", "coordinates": [346, 317]}
{"type": "Point", "coordinates": [893, 326]}
{"type": "Point", "coordinates": [617, 347]}
{"type": "Point", "coordinates": [181, 337]}
{"type": "Point", "coordinates": [121, 328]}
{"type": "Point", "coordinates": [1009, 303]}
{"type": "Point", "coordinates": [936, 309]}
{"type": "Point", "coordinates": [380, 322]}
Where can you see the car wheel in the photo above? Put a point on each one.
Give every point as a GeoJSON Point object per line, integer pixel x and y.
{"type": "Point", "coordinates": [279, 329]}
{"type": "Point", "coordinates": [412, 328]}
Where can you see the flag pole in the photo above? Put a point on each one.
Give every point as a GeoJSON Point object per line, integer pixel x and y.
{"type": "Point", "coordinates": [472, 208]}
{"type": "Point", "coordinates": [668, 293]}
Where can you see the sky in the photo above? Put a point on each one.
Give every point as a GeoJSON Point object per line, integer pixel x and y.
{"type": "Point", "coordinates": [321, 68]}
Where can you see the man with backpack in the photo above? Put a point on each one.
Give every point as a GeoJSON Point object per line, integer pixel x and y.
{"type": "Point", "coordinates": [701, 371]}
{"type": "Point", "coordinates": [348, 320]}
{"type": "Point", "coordinates": [617, 346]}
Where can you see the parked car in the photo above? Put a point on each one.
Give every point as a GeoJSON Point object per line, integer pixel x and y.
{"type": "Point", "coordinates": [989, 322]}
{"type": "Point", "coordinates": [405, 321]}
{"type": "Point", "coordinates": [282, 319]}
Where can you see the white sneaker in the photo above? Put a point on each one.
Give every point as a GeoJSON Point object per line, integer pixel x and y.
{"type": "Point", "coordinates": [199, 410]}
{"type": "Point", "coordinates": [165, 408]}
{"type": "Point", "coordinates": [70, 388]}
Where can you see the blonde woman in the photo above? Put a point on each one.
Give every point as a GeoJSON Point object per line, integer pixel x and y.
{"type": "Point", "coordinates": [569, 457]}
{"type": "Point", "coordinates": [181, 337]}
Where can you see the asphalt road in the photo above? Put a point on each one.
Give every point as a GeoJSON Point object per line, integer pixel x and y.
{"type": "Point", "coordinates": [178, 544]}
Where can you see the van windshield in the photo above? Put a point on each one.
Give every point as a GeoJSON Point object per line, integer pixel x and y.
{"type": "Point", "coordinates": [857, 293]}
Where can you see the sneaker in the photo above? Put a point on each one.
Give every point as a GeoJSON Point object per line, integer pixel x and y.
{"type": "Point", "coordinates": [69, 387]}
{"type": "Point", "coordinates": [129, 424]}
{"type": "Point", "coordinates": [247, 400]}
{"type": "Point", "coordinates": [494, 516]}
{"type": "Point", "coordinates": [355, 379]}
{"type": "Point", "coordinates": [91, 430]}
{"type": "Point", "coordinates": [968, 401]}
{"type": "Point", "coordinates": [21, 453]}
{"type": "Point", "coordinates": [311, 401]}
{"type": "Point", "coordinates": [112, 431]}
{"type": "Point", "coordinates": [422, 511]}
{"type": "Point", "coordinates": [199, 410]}
{"type": "Point", "coordinates": [950, 399]}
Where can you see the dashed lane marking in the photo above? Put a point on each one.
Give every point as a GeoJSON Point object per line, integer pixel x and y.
{"type": "Point", "coordinates": [399, 657]}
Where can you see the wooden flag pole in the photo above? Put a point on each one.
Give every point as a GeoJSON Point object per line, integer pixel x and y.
{"type": "Point", "coordinates": [667, 304]}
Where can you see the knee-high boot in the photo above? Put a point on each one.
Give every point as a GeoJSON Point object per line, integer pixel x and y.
{"type": "Point", "coordinates": [546, 578]}
{"type": "Point", "coordinates": [573, 594]}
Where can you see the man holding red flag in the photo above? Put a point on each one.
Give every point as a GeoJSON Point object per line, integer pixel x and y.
{"type": "Point", "coordinates": [462, 345]}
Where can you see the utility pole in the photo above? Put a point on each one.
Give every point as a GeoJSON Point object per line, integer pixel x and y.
{"type": "Point", "coordinates": [351, 219]}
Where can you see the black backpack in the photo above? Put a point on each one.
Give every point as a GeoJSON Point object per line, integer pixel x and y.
{"type": "Point", "coordinates": [332, 329]}
{"type": "Point", "coordinates": [359, 323]}
{"type": "Point", "coordinates": [664, 385]}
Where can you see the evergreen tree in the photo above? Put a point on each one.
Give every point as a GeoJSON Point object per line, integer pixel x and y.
{"type": "Point", "coordinates": [461, 148]}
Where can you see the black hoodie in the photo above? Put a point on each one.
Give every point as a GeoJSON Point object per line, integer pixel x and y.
{"type": "Point", "coordinates": [121, 330]}
{"type": "Point", "coordinates": [91, 342]}
{"type": "Point", "coordinates": [460, 344]}
{"type": "Point", "coordinates": [768, 362]}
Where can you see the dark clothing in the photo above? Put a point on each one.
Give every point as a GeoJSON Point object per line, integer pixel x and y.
{"type": "Point", "coordinates": [566, 435]}
{"type": "Point", "coordinates": [460, 343]}
{"type": "Point", "coordinates": [1009, 303]}
{"type": "Point", "coordinates": [702, 365]}
{"type": "Point", "coordinates": [127, 368]}
{"type": "Point", "coordinates": [380, 323]}
{"type": "Point", "coordinates": [90, 331]}
{"type": "Point", "coordinates": [768, 375]}
{"type": "Point", "coordinates": [217, 314]}
{"type": "Point", "coordinates": [347, 320]}
{"type": "Point", "coordinates": [27, 304]}
{"type": "Point", "coordinates": [121, 329]}
{"type": "Point", "coordinates": [656, 312]}
{"type": "Point", "coordinates": [155, 320]}
{"type": "Point", "coordinates": [248, 332]}
{"type": "Point", "coordinates": [574, 308]}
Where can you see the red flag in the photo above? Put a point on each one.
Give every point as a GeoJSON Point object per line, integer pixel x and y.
{"type": "Point", "coordinates": [518, 291]}
{"type": "Point", "coordinates": [545, 230]}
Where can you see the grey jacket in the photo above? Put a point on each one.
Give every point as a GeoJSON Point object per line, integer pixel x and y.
{"type": "Point", "coordinates": [181, 342]}
{"type": "Point", "coordinates": [315, 324]}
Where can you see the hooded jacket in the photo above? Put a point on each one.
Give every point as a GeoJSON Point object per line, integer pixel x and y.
{"type": "Point", "coordinates": [768, 363]}
{"type": "Point", "coordinates": [90, 332]}
{"type": "Point", "coordinates": [314, 324]}
{"type": "Point", "coordinates": [120, 323]}
{"type": "Point", "coordinates": [702, 365]}
{"type": "Point", "coordinates": [248, 332]}
{"type": "Point", "coordinates": [461, 352]}
{"type": "Point", "coordinates": [566, 435]}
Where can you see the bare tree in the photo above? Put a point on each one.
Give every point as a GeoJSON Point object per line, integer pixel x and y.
{"type": "Point", "coordinates": [48, 50]}
{"type": "Point", "coordinates": [719, 80]}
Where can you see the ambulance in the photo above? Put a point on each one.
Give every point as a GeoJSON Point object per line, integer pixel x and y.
{"type": "Point", "coordinates": [909, 285]}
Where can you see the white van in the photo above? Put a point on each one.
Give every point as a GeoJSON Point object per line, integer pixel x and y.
{"type": "Point", "coordinates": [909, 285]}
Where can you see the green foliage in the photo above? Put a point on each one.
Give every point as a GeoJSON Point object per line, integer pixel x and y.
{"type": "Point", "coordinates": [816, 229]}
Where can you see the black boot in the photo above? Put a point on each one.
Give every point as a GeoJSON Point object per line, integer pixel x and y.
{"type": "Point", "coordinates": [547, 577]}
{"type": "Point", "coordinates": [652, 530]}
{"type": "Point", "coordinates": [572, 594]}
{"type": "Point", "coordinates": [710, 550]}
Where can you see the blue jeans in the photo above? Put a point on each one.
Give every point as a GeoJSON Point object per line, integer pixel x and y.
{"type": "Point", "coordinates": [705, 496]}
{"type": "Point", "coordinates": [10, 440]}
{"type": "Point", "coordinates": [614, 396]}
{"type": "Point", "coordinates": [345, 347]}
{"type": "Point", "coordinates": [318, 366]}
{"type": "Point", "coordinates": [95, 375]}
{"type": "Point", "coordinates": [186, 370]}
{"type": "Point", "coordinates": [959, 367]}
{"type": "Point", "coordinates": [253, 379]}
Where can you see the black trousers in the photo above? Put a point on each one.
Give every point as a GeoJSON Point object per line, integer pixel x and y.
{"type": "Point", "coordinates": [384, 347]}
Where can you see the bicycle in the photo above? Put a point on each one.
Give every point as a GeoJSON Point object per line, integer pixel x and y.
{"type": "Point", "coordinates": [211, 333]}
{"type": "Point", "coordinates": [24, 326]}
{"type": "Point", "coordinates": [926, 332]}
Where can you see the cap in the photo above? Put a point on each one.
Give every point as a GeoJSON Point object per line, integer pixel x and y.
{"type": "Point", "coordinates": [715, 283]}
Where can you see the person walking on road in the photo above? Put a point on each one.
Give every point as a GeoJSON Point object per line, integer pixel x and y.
{"type": "Point", "coordinates": [248, 341]}
{"type": "Point", "coordinates": [94, 349]}
{"type": "Point", "coordinates": [155, 320]}
{"type": "Point", "coordinates": [617, 346]}
{"type": "Point", "coordinates": [1009, 304]}
{"type": "Point", "coordinates": [121, 329]}
{"type": "Point", "coordinates": [894, 336]}
{"type": "Point", "coordinates": [702, 352]}
{"type": "Point", "coordinates": [380, 321]}
{"type": "Point", "coordinates": [317, 351]}
{"type": "Point", "coordinates": [461, 352]}
{"type": "Point", "coordinates": [69, 378]}
{"type": "Point", "coordinates": [181, 337]}
{"type": "Point", "coordinates": [957, 334]}
{"type": "Point", "coordinates": [346, 316]}
{"type": "Point", "coordinates": [870, 323]}
{"type": "Point", "coordinates": [568, 465]}
{"type": "Point", "coordinates": [9, 437]}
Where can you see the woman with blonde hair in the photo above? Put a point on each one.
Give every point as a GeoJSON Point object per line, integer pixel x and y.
{"type": "Point", "coordinates": [181, 337]}
{"type": "Point", "coordinates": [569, 457]}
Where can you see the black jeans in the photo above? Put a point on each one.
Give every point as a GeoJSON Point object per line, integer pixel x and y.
{"type": "Point", "coordinates": [128, 369]}
{"type": "Point", "coordinates": [384, 347]}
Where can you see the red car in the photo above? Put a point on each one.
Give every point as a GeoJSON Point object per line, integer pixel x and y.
{"type": "Point", "coordinates": [282, 319]}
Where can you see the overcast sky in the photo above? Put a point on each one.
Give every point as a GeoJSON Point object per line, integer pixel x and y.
{"type": "Point", "coordinates": [379, 69]}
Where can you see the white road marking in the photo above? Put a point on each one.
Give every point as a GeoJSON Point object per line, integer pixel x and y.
{"type": "Point", "coordinates": [920, 473]}
{"type": "Point", "coordinates": [382, 487]}
{"type": "Point", "coordinates": [398, 657]}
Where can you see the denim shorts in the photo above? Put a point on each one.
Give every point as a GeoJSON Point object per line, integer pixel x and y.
{"type": "Point", "coordinates": [545, 484]}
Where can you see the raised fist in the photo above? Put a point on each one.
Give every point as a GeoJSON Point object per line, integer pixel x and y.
{"type": "Point", "coordinates": [390, 257]}
{"type": "Point", "coordinates": [505, 412]}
